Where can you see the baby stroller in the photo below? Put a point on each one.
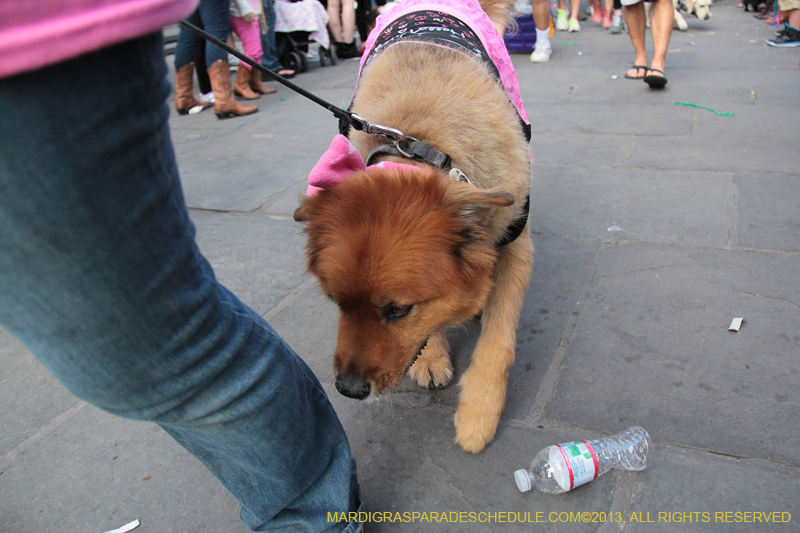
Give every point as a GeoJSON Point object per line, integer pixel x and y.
{"type": "Point", "coordinates": [298, 23]}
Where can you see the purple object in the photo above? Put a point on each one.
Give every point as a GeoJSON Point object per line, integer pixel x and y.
{"type": "Point", "coordinates": [524, 38]}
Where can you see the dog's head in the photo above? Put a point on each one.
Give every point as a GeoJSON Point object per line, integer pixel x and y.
{"type": "Point", "coordinates": [402, 253]}
{"type": "Point", "coordinates": [701, 9]}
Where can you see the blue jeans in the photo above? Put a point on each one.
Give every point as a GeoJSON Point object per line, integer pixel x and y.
{"type": "Point", "coordinates": [101, 278]}
{"type": "Point", "coordinates": [270, 58]}
{"type": "Point", "coordinates": [214, 17]}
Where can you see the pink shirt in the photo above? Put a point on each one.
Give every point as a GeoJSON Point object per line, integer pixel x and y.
{"type": "Point", "coordinates": [37, 33]}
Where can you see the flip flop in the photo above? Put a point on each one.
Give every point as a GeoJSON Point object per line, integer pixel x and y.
{"type": "Point", "coordinates": [655, 82]}
{"type": "Point", "coordinates": [638, 69]}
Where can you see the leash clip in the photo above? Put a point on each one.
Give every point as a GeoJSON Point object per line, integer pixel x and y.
{"type": "Point", "coordinates": [398, 138]}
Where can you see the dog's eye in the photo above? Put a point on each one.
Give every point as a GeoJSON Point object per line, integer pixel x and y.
{"type": "Point", "coordinates": [394, 312]}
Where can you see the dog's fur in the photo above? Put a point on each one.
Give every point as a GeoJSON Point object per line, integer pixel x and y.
{"type": "Point", "coordinates": [679, 23]}
{"type": "Point", "coordinates": [699, 8]}
{"type": "Point", "coordinates": [406, 254]}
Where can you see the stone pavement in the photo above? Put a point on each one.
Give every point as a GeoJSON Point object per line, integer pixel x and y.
{"type": "Point", "coordinates": [654, 224]}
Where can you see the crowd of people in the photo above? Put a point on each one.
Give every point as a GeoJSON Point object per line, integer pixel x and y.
{"type": "Point", "coordinates": [253, 22]}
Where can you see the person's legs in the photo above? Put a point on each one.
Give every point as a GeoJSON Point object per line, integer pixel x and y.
{"type": "Point", "coordinates": [661, 29]}
{"type": "Point", "coordinates": [636, 21]}
{"type": "Point", "coordinates": [335, 22]}
{"type": "Point", "coordinates": [251, 41]}
{"type": "Point", "coordinates": [575, 9]}
{"type": "Point", "coordinates": [789, 36]}
{"type": "Point", "coordinates": [562, 23]}
{"type": "Point", "coordinates": [269, 51]}
{"type": "Point", "coordinates": [616, 19]}
{"type": "Point", "coordinates": [188, 41]}
{"type": "Point", "coordinates": [101, 278]}
{"type": "Point", "coordinates": [348, 20]}
{"type": "Point", "coordinates": [541, 16]}
{"type": "Point", "coordinates": [215, 15]}
{"type": "Point", "coordinates": [608, 10]}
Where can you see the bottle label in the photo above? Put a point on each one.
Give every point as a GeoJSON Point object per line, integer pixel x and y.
{"type": "Point", "coordinates": [581, 463]}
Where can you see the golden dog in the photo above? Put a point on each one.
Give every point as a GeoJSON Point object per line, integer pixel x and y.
{"type": "Point", "coordinates": [407, 252]}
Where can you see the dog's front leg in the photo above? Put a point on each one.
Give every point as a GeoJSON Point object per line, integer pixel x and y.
{"type": "Point", "coordinates": [483, 385]}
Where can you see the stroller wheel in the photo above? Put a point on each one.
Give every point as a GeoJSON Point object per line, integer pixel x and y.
{"type": "Point", "coordinates": [293, 60]}
{"type": "Point", "coordinates": [303, 62]}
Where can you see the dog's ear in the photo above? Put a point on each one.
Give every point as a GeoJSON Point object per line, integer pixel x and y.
{"type": "Point", "coordinates": [477, 204]}
{"type": "Point", "coordinates": [300, 214]}
{"type": "Point", "coordinates": [303, 212]}
{"type": "Point", "coordinates": [491, 198]}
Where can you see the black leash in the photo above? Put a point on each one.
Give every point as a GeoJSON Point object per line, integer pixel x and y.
{"type": "Point", "coordinates": [406, 146]}
{"type": "Point", "coordinates": [396, 137]}
{"type": "Point", "coordinates": [339, 113]}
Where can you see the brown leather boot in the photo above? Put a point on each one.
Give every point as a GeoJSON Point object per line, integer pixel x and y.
{"type": "Point", "coordinates": [184, 90]}
{"type": "Point", "coordinates": [767, 11]}
{"type": "Point", "coordinates": [257, 86]}
{"type": "Point", "coordinates": [225, 106]}
{"type": "Point", "coordinates": [242, 85]}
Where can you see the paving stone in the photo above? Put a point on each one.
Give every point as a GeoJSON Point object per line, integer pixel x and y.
{"type": "Point", "coordinates": [689, 490]}
{"type": "Point", "coordinates": [674, 207]}
{"type": "Point", "coordinates": [768, 212]}
{"type": "Point", "coordinates": [721, 155]}
{"type": "Point", "coordinates": [240, 248]}
{"type": "Point", "coordinates": [652, 348]}
{"type": "Point", "coordinates": [415, 450]}
{"type": "Point", "coordinates": [95, 472]}
{"type": "Point", "coordinates": [23, 415]}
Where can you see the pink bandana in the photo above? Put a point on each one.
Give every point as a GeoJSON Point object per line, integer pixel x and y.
{"type": "Point", "coordinates": [339, 162]}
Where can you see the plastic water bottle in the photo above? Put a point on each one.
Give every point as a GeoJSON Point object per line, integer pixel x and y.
{"type": "Point", "coordinates": [562, 467]}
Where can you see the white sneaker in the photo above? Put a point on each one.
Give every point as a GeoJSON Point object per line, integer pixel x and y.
{"type": "Point", "coordinates": [541, 52]}
{"type": "Point", "coordinates": [561, 20]}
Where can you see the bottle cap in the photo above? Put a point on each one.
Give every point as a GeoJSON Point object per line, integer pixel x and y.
{"type": "Point", "coordinates": [523, 480]}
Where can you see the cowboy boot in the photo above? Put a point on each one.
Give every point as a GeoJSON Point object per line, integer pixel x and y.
{"type": "Point", "coordinates": [242, 85]}
{"type": "Point", "coordinates": [767, 11]}
{"type": "Point", "coordinates": [257, 86]}
{"type": "Point", "coordinates": [184, 90]}
{"type": "Point", "coordinates": [225, 106]}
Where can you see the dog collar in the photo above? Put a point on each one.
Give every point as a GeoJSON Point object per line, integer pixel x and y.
{"type": "Point", "coordinates": [342, 159]}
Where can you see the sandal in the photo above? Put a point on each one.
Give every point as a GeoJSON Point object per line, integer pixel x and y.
{"type": "Point", "coordinates": [655, 82]}
{"type": "Point", "coordinates": [638, 69]}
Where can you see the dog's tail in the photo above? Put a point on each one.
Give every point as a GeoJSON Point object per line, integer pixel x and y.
{"type": "Point", "coordinates": [498, 11]}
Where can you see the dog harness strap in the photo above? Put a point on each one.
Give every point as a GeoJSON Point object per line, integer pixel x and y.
{"type": "Point", "coordinates": [514, 230]}
{"type": "Point", "coordinates": [419, 150]}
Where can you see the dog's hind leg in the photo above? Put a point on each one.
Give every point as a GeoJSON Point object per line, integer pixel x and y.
{"type": "Point", "coordinates": [433, 367]}
{"type": "Point", "coordinates": [483, 385]}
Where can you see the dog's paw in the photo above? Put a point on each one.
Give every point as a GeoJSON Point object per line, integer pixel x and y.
{"type": "Point", "coordinates": [433, 367]}
{"type": "Point", "coordinates": [478, 414]}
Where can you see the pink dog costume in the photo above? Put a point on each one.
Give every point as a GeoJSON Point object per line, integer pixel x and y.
{"type": "Point", "coordinates": [451, 23]}
{"type": "Point", "coordinates": [458, 24]}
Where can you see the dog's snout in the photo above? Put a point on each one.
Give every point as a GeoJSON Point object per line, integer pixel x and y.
{"type": "Point", "coordinates": [352, 386]}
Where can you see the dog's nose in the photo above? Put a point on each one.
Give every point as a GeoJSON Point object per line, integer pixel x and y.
{"type": "Point", "coordinates": [352, 386]}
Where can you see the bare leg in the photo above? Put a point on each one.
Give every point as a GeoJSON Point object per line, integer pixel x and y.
{"type": "Point", "coordinates": [541, 13]}
{"type": "Point", "coordinates": [575, 9]}
{"type": "Point", "coordinates": [661, 28]}
{"type": "Point", "coordinates": [334, 23]}
{"type": "Point", "coordinates": [348, 20]}
{"type": "Point", "coordinates": [635, 20]}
